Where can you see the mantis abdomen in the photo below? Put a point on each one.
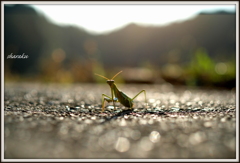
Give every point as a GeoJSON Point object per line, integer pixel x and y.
{"type": "Point", "coordinates": [122, 97]}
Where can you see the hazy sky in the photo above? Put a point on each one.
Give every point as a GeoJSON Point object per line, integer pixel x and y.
{"type": "Point", "coordinates": [105, 18]}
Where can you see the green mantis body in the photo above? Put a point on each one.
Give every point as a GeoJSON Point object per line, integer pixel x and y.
{"type": "Point", "coordinates": [117, 95]}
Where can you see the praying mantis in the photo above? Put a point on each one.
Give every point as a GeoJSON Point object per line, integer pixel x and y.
{"type": "Point", "coordinates": [119, 95]}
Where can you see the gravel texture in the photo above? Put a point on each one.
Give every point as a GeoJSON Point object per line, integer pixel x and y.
{"type": "Point", "coordinates": [45, 121]}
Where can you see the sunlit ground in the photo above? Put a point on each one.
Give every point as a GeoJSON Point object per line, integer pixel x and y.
{"type": "Point", "coordinates": [61, 121]}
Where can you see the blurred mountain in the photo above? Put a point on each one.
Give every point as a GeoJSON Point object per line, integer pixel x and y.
{"type": "Point", "coordinates": [22, 35]}
{"type": "Point", "coordinates": [67, 48]}
{"type": "Point", "coordinates": [26, 31]}
{"type": "Point", "coordinates": [176, 42]}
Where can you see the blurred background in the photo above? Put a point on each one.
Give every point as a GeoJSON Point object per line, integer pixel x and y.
{"type": "Point", "coordinates": [197, 49]}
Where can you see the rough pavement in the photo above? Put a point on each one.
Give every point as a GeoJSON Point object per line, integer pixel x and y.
{"type": "Point", "coordinates": [65, 121]}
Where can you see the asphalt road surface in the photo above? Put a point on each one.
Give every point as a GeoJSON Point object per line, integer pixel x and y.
{"type": "Point", "coordinates": [56, 121]}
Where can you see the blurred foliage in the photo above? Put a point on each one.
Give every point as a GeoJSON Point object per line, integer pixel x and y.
{"type": "Point", "coordinates": [202, 71]}
{"type": "Point", "coordinates": [172, 53]}
{"type": "Point", "coordinates": [205, 71]}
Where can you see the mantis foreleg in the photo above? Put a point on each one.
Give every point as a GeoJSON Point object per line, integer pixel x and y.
{"type": "Point", "coordinates": [108, 99]}
{"type": "Point", "coordinates": [112, 98]}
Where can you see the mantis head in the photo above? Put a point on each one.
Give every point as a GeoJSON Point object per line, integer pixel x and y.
{"type": "Point", "coordinates": [109, 81]}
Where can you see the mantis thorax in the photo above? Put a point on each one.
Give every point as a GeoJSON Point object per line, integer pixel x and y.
{"type": "Point", "coordinates": [110, 82]}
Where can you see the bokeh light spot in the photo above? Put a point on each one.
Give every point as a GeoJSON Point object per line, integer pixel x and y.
{"type": "Point", "coordinates": [221, 68]}
{"type": "Point", "coordinates": [58, 55]}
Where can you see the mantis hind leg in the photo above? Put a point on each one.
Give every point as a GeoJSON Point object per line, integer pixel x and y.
{"type": "Point", "coordinates": [139, 94]}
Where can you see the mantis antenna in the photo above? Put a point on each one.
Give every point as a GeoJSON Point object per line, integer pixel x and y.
{"type": "Point", "coordinates": [116, 75]}
{"type": "Point", "coordinates": [101, 76]}
{"type": "Point", "coordinates": [107, 78]}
